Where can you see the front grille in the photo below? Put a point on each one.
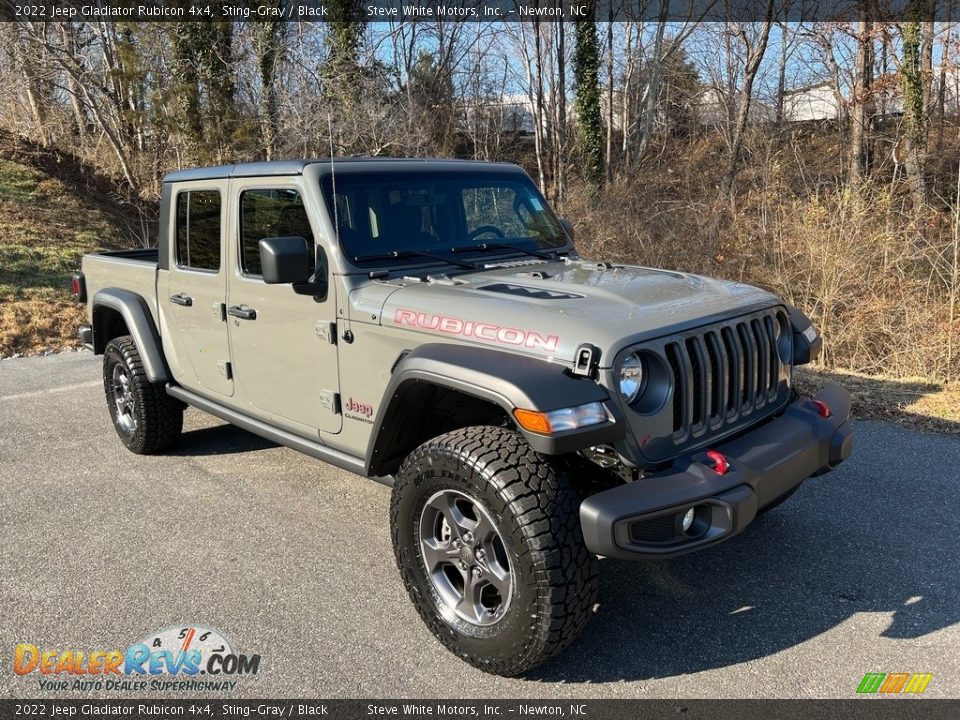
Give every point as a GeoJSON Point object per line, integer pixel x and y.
{"type": "Point", "coordinates": [724, 373]}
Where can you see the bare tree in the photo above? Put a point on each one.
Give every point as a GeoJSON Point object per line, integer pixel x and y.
{"type": "Point", "coordinates": [860, 101]}
{"type": "Point", "coordinates": [753, 43]}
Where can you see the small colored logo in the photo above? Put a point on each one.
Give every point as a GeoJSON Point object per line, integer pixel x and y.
{"type": "Point", "coordinates": [359, 408]}
{"type": "Point", "coordinates": [894, 683]}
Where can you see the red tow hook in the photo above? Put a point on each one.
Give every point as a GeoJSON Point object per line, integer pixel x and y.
{"type": "Point", "coordinates": [822, 408]}
{"type": "Point", "coordinates": [720, 464]}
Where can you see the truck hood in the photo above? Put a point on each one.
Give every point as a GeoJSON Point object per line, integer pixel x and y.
{"type": "Point", "coordinates": [549, 309]}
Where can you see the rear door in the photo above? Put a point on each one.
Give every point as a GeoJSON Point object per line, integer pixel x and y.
{"type": "Point", "coordinates": [192, 293]}
{"type": "Point", "coordinates": [283, 344]}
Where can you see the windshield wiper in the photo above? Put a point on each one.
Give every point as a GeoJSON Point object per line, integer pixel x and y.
{"type": "Point", "coordinates": [501, 246]}
{"type": "Point", "coordinates": [407, 254]}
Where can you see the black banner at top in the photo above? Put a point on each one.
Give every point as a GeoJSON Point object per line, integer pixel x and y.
{"type": "Point", "coordinates": [480, 10]}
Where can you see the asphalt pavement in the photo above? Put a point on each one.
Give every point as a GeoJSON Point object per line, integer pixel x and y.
{"type": "Point", "coordinates": [290, 558]}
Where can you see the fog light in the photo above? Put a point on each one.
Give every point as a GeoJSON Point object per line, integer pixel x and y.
{"type": "Point", "coordinates": [688, 518]}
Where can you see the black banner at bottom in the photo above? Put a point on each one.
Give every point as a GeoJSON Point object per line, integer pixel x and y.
{"type": "Point", "coordinates": [860, 708]}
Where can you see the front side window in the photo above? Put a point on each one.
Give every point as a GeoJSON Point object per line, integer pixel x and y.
{"type": "Point", "coordinates": [198, 230]}
{"type": "Point", "coordinates": [435, 212]}
{"type": "Point", "coordinates": [267, 214]}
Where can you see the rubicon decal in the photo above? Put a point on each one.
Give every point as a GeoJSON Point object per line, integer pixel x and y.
{"type": "Point", "coordinates": [181, 651]}
{"type": "Point", "coordinates": [488, 332]}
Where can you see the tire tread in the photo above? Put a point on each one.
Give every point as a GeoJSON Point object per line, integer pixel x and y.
{"type": "Point", "coordinates": [545, 510]}
{"type": "Point", "coordinates": [161, 416]}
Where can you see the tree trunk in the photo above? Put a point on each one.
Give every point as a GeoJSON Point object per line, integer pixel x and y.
{"type": "Point", "coordinates": [68, 38]}
{"type": "Point", "coordinates": [862, 80]}
{"type": "Point", "coordinates": [754, 58]}
{"type": "Point", "coordinates": [184, 66]}
{"type": "Point", "coordinates": [268, 49]}
{"type": "Point", "coordinates": [31, 85]}
{"type": "Point", "coordinates": [535, 95]}
{"type": "Point", "coordinates": [928, 35]}
{"type": "Point", "coordinates": [560, 88]}
{"type": "Point", "coordinates": [942, 83]}
{"type": "Point", "coordinates": [914, 109]}
{"type": "Point", "coordinates": [586, 71]}
{"type": "Point", "coordinates": [609, 154]}
{"type": "Point", "coordinates": [653, 86]}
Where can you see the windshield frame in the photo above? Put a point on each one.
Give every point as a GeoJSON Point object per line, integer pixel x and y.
{"type": "Point", "coordinates": [472, 173]}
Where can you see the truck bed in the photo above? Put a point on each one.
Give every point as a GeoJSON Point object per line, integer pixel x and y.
{"type": "Point", "coordinates": [133, 270]}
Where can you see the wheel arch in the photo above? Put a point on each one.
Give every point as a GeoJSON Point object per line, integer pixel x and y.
{"type": "Point", "coordinates": [438, 388]}
{"type": "Point", "coordinates": [119, 312]}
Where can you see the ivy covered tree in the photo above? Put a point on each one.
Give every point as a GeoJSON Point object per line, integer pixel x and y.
{"type": "Point", "coordinates": [914, 109]}
{"type": "Point", "coordinates": [342, 73]}
{"type": "Point", "coordinates": [587, 95]}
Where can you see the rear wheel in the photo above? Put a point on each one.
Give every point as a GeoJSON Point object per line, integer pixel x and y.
{"type": "Point", "coordinates": [144, 416]}
{"type": "Point", "coordinates": [487, 538]}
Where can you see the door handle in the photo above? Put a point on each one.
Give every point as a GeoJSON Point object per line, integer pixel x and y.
{"type": "Point", "coordinates": [242, 312]}
{"type": "Point", "coordinates": [180, 299]}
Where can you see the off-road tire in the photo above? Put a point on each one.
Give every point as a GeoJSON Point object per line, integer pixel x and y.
{"type": "Point", "coordinates": [535, 508]}
{"type": "Point", "coordinates": [159, 417]}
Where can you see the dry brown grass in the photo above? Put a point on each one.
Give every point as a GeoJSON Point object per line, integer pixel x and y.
{"type": "Point", "coordinates": [46, 225]}
{"type": "Point", "coordinates": [35, 322]}
{"type": "Point", "coordinates": [876, 276]}
{"type": "Point", "coordinates": [913, 402]}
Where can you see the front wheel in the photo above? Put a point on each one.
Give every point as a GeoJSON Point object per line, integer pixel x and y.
{"type": "Point", "coordinates": [487, 538]}
{"type": "Point", "coordinates": [145, 417]}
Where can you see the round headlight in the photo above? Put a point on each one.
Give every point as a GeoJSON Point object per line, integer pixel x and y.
{"type": "Point", "coordinates": [631, 377]}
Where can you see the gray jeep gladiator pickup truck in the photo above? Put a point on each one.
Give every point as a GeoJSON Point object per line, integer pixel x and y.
{"type": "Point", "coordinates": [429, 324]}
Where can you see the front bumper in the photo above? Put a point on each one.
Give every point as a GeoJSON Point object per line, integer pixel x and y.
{"type": "Point", "coordinates": [642, 519]}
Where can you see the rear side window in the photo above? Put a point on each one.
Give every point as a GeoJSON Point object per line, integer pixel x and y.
{"type": "Point", "coordinates": [198, 229]}
{"type": "Point", "coordinates": [267, 214]}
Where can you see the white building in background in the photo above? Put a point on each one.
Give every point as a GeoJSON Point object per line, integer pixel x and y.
{"type": "Point", "coordinates": [819, 102]}
{"type": "Point", "coordinates": [715, 104]}
{"type": "Point", "coordinates": [513, 113]}
{"type": "Point", "coordinates": [815, 102]}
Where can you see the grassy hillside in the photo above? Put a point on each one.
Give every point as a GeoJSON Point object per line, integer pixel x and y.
{"type": "Point", "coordinates": [52, 211]}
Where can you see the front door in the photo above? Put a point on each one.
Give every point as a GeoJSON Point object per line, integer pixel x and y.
{"type": "Point", "coordinates": [283, 344]}
{"type": "Point", "coordinates": [192, 294]}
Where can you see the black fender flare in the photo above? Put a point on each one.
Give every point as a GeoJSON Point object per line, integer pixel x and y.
{"type": "Point", "coordinates": [136, 314]}
{"type": "Point", "coordinates": [504, 379]}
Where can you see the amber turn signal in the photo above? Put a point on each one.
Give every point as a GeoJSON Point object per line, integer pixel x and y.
{"type": "Point", "coordinates": [532, 420]}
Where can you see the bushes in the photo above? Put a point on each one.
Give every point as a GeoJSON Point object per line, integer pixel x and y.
{"type": "Point", "coordinates": [877, 278]}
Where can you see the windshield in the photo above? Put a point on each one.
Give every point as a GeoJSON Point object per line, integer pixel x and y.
{"type": "Point", "coordinates": [384, 215]}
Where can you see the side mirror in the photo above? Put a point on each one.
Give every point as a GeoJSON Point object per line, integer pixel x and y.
{"type": "Point", "coordinates": [568, 226]}
{"type": "Point", "coordinates": [284, 260]}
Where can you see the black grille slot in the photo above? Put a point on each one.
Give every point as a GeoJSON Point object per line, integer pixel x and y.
{"type": "Point", "coordinates": [770, 326]}
{"type": "Point", "coordinates": [679, 385]}
{"type": "Point", "coordinates": [734, 368]}
{"type": "Point", "coordinates": [723, 374]}
{"type": "Point", "coordinates": [658, 529]}
{"type": "Point", "coordinates": [699, 380]}
{"type": "Point", "coordinates": [718, 376]}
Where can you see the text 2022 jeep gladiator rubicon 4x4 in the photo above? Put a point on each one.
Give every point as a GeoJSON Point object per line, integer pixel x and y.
{"type": "Point", "coordinates": [430, 324]}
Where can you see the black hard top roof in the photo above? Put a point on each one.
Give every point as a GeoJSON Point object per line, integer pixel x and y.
{"type": "Point", "coordinates": [353, 164]}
